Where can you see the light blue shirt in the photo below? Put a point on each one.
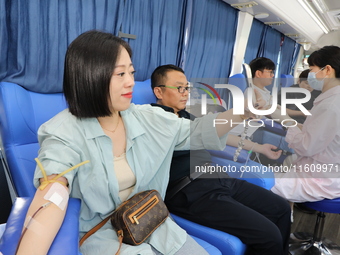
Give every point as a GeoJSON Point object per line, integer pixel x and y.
{"type": "Point", "coordinates": [152, 136]}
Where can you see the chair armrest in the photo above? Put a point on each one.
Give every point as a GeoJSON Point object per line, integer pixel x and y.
{"type": "Point", "coordinates": [252, 172]}
{"type": "Point", "coordinates": [66, 241]}
{"type": "Point", "coordinates": [274, 127]}
{"type": "Point", "coordinates": [226, 243]}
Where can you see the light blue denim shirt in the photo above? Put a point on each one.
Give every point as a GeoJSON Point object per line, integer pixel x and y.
{"type": "Point", "coordinates": [152, 136]}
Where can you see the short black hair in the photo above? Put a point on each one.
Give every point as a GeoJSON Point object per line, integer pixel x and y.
{"type": "Point", "coordinates": [158, 76]}
{"type": "Point", "coordinates": [304, 75]}
{"type": "Point", "coordinates": [260, 64]}
{"type": "Point", "coordinates": [327, 55]}
{"type": "Point", "coordinates": [89, 64]}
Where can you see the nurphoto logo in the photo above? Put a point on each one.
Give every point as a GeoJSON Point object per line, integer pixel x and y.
{"type": "Point", "coordinates": [239, 103]}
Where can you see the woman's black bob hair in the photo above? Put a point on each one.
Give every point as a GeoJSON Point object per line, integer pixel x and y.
{"type": "Point", "coordinates": [89, 64]}
{"type": "Point", "coordinates": [327, 55]}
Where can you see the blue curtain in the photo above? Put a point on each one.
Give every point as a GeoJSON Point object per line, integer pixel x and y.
{"type": "Point", "coordinates": [287, 55]}
{"type": "Point", "coordinates": [211, 39]}
{"type": "Point", "coordinates": [295, 57]}
{"type": "Point", "coordinates": [158, 26]}
{"type": "Point", "coordinates": [270, 45]}
{"type": "Point", "coordinates": [35, 35]}
{"type": "Point", "coordinates": [254, 42]}
{"type": "Point", "coordinates": [264, 41]}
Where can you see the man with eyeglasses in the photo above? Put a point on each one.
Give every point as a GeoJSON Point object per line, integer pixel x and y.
{"type": "Point", "coordinates": [253, 214]}
{"type": "Point", "coordinates": [263, 73]}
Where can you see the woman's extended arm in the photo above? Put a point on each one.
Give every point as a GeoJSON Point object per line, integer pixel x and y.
{"type": "Point", "coordinates": [265, 149]}
{"type": "Point", "coordinates": [44, 226]}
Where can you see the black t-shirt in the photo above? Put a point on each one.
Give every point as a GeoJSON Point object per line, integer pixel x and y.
{"type": "Point", "coordinates": [185, 161]}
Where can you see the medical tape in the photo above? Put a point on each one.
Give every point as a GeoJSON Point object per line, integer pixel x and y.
{"type": "Point", "coordinates": [33, 225]}
{"type": "Point", "coordinates": [45, 182]}
{"type": "Point", "coordinates": [58, 195]}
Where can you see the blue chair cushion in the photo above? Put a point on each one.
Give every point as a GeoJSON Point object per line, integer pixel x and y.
{"type": "Point", "coordinates": [66, 241]}
{"type": "Point", "coordinates": [326, 205]}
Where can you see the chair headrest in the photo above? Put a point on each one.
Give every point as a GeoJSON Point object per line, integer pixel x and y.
{"type": "Point", "coordinates": [238, 80]}
{"type": "Point", "coordinates": [287, 80]}
{"type": "Point", "coordinates": [142, 93]}
{"type": "Point", "coordinates": [23, 111]}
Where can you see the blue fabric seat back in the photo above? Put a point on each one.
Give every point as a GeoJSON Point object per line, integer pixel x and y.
{"type": "Point", "coordinates": [238, 80]}
{"type": "Point", "coordinates": [21, 114]}
{"type": "Point", "coordinates": [287, 80]}
{"type": "Point", "coordinates": [142, 93]}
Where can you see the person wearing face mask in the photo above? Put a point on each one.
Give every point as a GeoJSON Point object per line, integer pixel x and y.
{"type": "Point", "coordinates": [302, 83]}
{"type": "Point", "coordinates": [314, 168]}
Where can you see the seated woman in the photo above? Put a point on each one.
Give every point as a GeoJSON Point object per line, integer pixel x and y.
{"type": "Point", "coordinates": [102, 126]}
{"type": "Point", "coordinates": [314, 169]}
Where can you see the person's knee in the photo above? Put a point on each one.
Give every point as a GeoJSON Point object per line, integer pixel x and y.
{"type": "Point", "coordinates": [273, 240]}
{"type": "Point", "coordinates": [282, 206]}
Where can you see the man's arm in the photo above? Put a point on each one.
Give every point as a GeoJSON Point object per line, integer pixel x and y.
{"type": "Point", "coordinates": [44, 225]}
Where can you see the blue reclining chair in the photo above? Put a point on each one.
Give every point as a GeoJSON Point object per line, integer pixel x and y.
{"type": "Point", "coordinates": [21, 114]}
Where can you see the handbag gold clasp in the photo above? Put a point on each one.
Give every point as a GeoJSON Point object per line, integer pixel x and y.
{"type": "Point", "coordinates": [136, 220]}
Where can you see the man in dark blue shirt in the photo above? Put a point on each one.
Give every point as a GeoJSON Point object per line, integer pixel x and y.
{"type": "Point", "coordinates": [258, 217]}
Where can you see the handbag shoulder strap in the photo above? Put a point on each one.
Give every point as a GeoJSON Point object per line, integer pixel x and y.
{"type": "Point", "coordinates": [93, 230]}
{"type": "Point", "coordinates": [98, 226]}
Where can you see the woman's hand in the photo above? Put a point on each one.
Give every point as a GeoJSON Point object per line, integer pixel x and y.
{"type": "Point", "coordinates": [269, 151]}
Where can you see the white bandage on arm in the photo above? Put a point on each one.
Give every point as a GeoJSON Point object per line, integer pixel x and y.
{"type": "Point", "coordinates": [58, 195]}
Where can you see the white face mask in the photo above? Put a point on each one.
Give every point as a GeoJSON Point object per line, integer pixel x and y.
{"type": "Point", "coordinates": [314, 82]}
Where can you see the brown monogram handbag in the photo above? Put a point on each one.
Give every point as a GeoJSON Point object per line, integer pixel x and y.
{"type": "Point", "coordinates": [135, 219]}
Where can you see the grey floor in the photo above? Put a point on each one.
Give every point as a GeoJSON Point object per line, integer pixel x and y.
{"type": "Point", "coordinates": [305, 223]}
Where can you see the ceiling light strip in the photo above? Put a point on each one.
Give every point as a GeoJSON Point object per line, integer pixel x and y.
{"type": "Point", "coordinates": [244, 5]}
{"type": "Point", "coordinates": [320, 5]}
{"type": "Point", "coordinates": [315, 17]}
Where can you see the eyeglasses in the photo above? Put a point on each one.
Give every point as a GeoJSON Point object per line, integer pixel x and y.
{"type": "Point", "coordinates": [179, 88]}
{"type": "Point", "coordinates": [269, 71]}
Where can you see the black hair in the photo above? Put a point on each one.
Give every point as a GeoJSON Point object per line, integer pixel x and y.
{"type": "Point", "coordinates": [89, 64]}
{"type": "Point", "coordinates": [327, 55]}
{"type": "Point", "coordinates": [158, 76]}
{"type": "Point", "coordinates": [304, 75]}
{"type": "Point", "coordinates": [261, 64]}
